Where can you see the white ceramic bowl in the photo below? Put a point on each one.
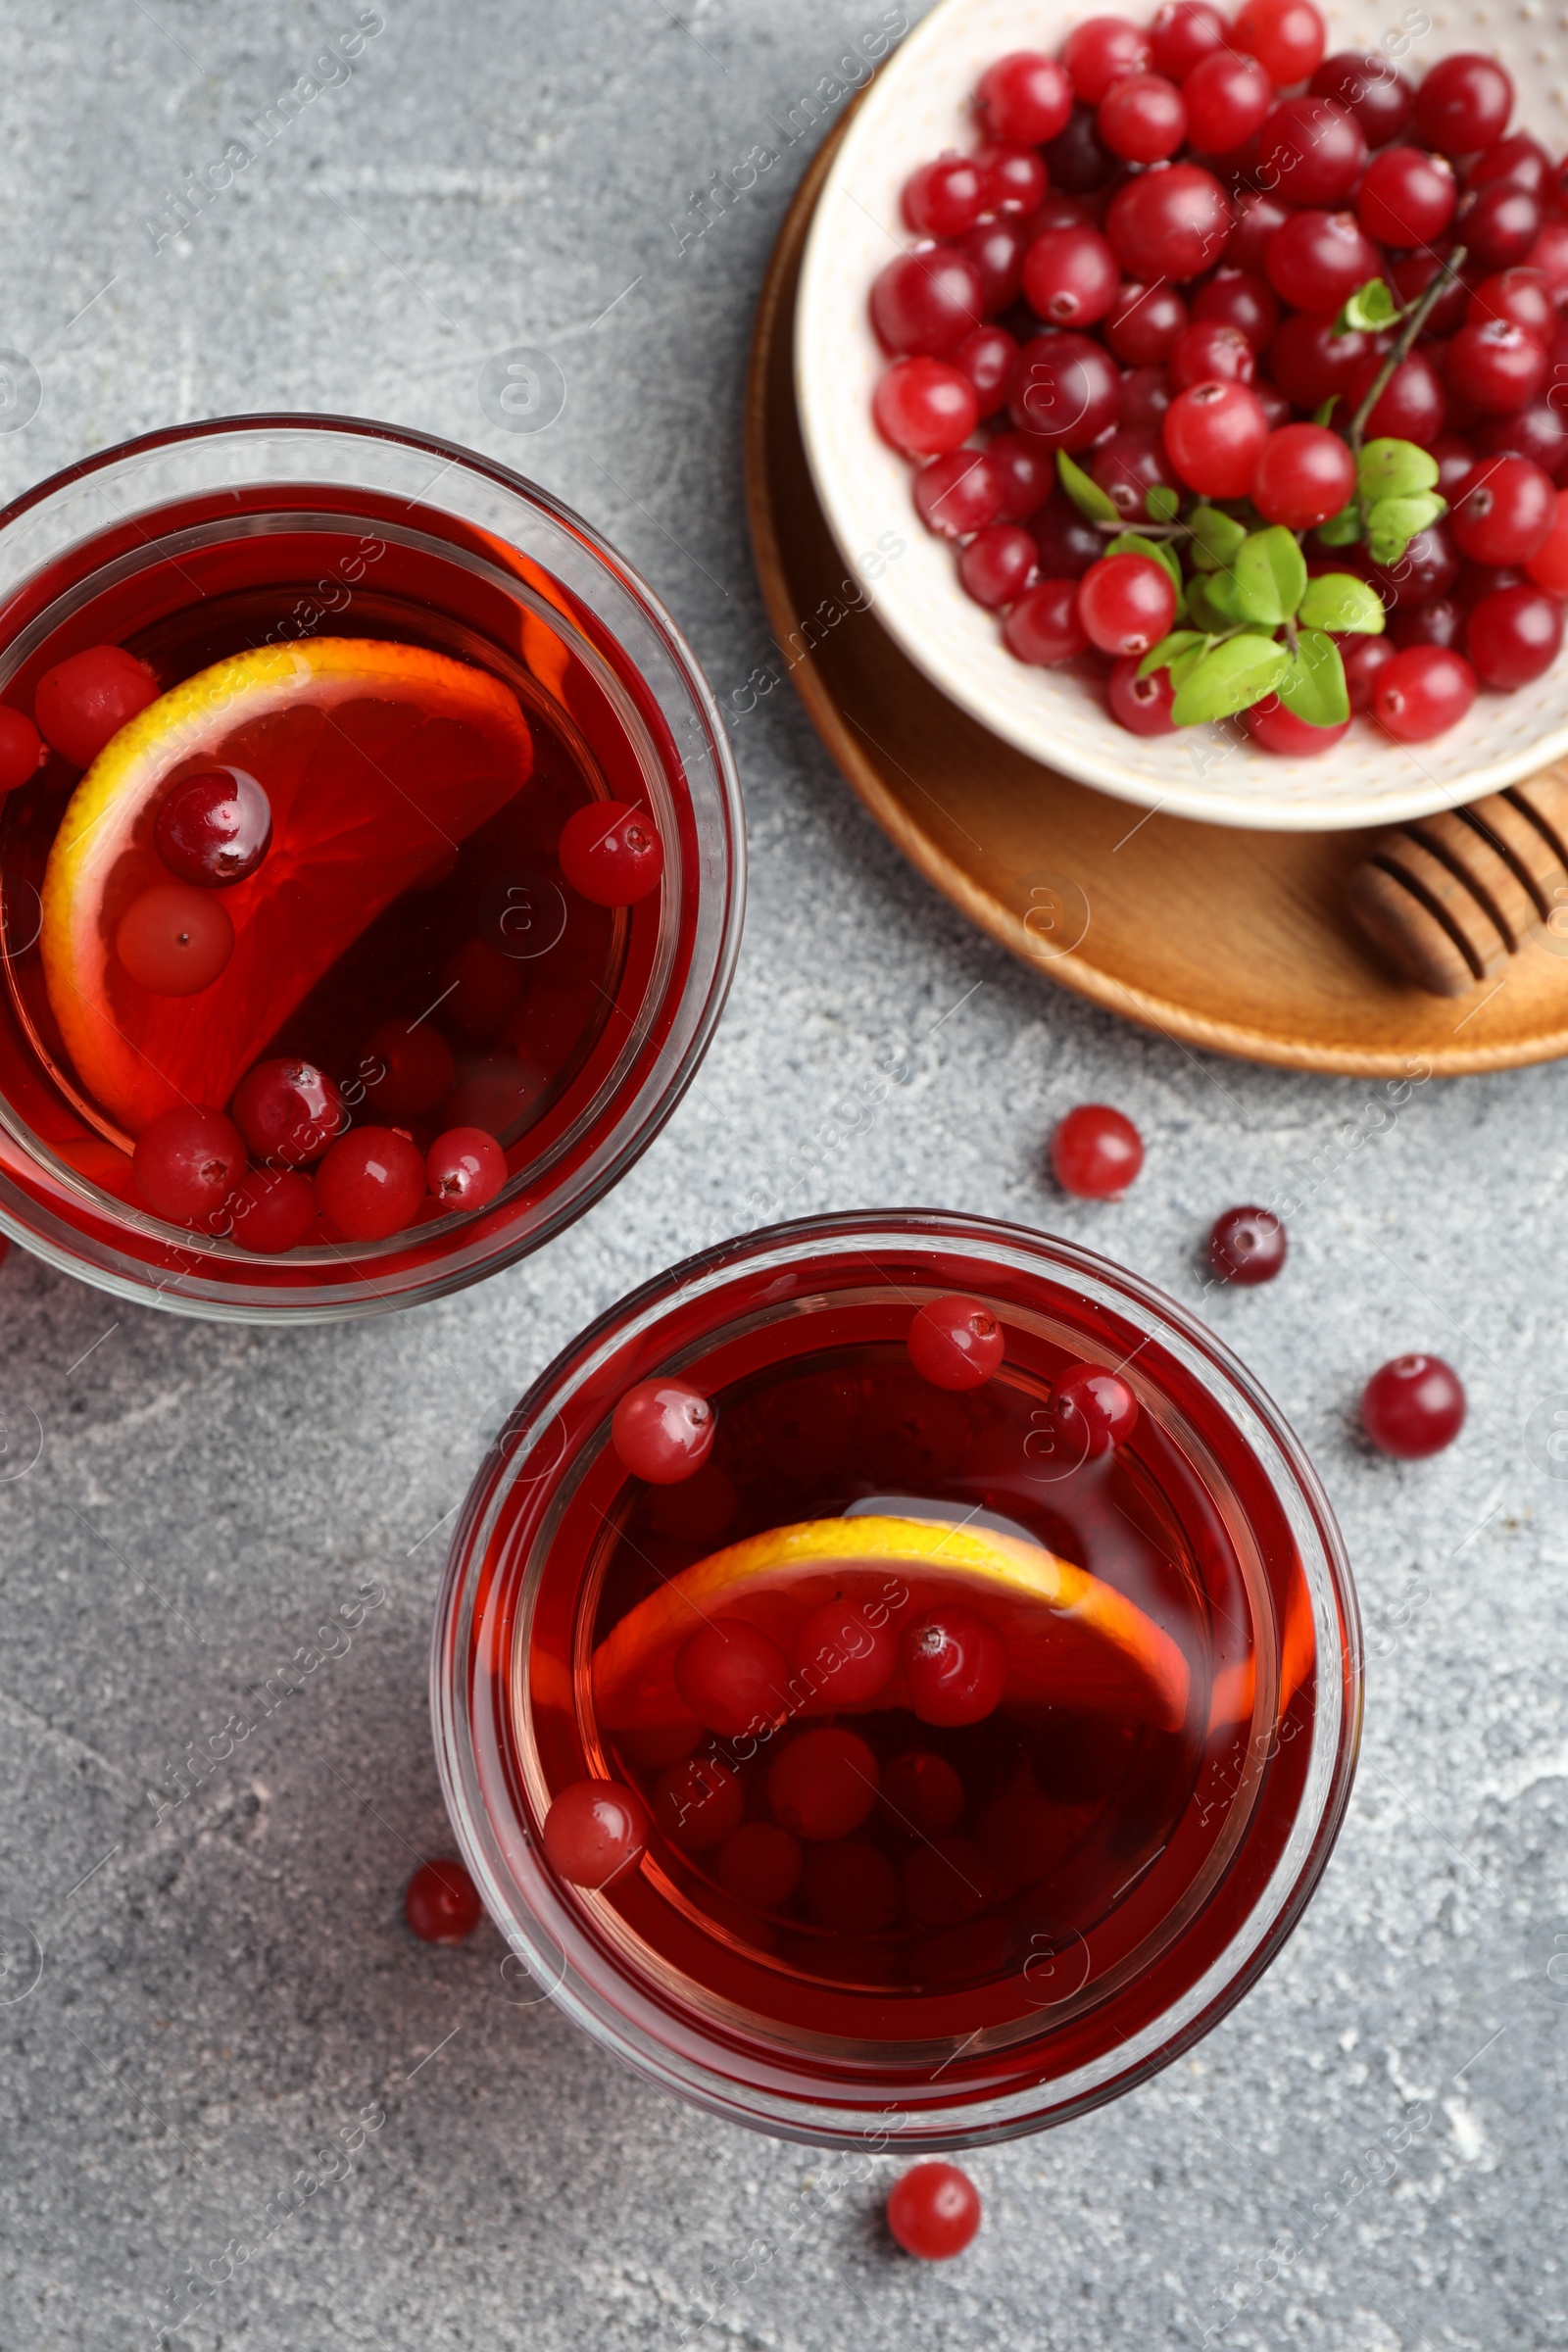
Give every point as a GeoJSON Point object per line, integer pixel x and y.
{"type": "Point", "coordinates": [917, 108]}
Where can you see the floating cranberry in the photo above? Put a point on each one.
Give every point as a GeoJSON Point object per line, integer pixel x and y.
{"type": "Point", "coordinates": [1227, 99]}
{"type": "Point", "coordinates": [1278, 730]}
{"type": "Point", "coordinates": [944, 198]}
{"type": "Point", "coordinates": [595, 1829]}
{"type": "Point", "coordinates": [1375, 91]}
{"type": "Point", "coordinates": [1214, 435]}
{"type": "Point", "coordinates": [1100, 51]}
{"type": "Point", "coordinates": [1024, 98]}
{"type": "Point", "coordinates": [998, 565]}
{"type": "Point", "coordinates": [1070, 276]}
{"type": "Point", "coordinates": [1413, 1406]}
{"type": "Point", "coordinates": [823, 1784]}
{"type": "Point", "coordinates": [1170, 222]}
{"type": "Point", "coordinates": [85, 700]}
{"type": "Point", "coordinates": [287, 1111]}
{"type": "Point", "coordinates": [187, 1161]}
{"type": "Point", "coordinates": [1043, 627]}
{"type": "Point", "coordinates": [663, 1431]}
{"type": "Point", "coordinates": [271, 1211]}
{"type": "Point", "coordinates": [1143, 706]}
{"type": "Point", "coordinates": [1126, 604]}
{"type": "Point", "coordinates": [21, 748]}
{"type": "Point", "coordinates": [1311, 151]}
{"type": "Point", "coordinates": [1093, 1409]}
{"type": "Point", "coordinates": [955, 1343]}
{"type": "Point", "coordinates": [840, 1652]}
{"type": "Point", "coordinates": [926, 303]}
{"type": "Point", "coordinates": [732, 1677]}
{"type": "Point", "coordinates": [610, 854]}
{"type": "Point", "coordinates": [1304, 473]}
{"type": "Point", "coordinates": [1318, 259]}
{"type": "Point", "coordinates": [174, 941]}
{"type": "Point", "coordinates": [923, 1794]}
{"type": "Point", "coordinates": [1550, 255]}
{"type": "Point", "coordinates": [1514, 636]}
{"type": "Point", "coordinates": [1236, 298]}
{"type": "Point", "coordinates": [441, 1902]}
{"type": "Point", "coordinates": [466, 1168]}
{"type": "Point", "coordinates": [215, 828]}
{"type": "Point", "coordinates": [1422, 692]}
{"type": "Point", "coordinates": [850, 1888]}
{"type": "Point", "coordinates": [1463, 104]}
{"type": "Point", "coordinates": [1505, 513]}
{"type": "Point", "coordinates": [405, 1069]}
{"type": "Point", "coordinates": [1182, 33]}
{"type": "Point", "coordinates": [759, 1863]}
{"type": "Point", "coordinates": [934, 2212]}
{"type": "Point", "coordinates": [1078, 160]}
{"type": "Point", "coordinates": [1407, 197]}
{"type": "Point", "coordinates": [698, 1802]}
{"type": "Point", "coordinates": [925, 408]}
{"type": "Point", "coordinates": [956, 1666]}
{"type": "Point", "coordinates": [1065, 390]}
{"type": "Point", "coordinates": [371, 1183]}
{"type": "Point", "coordinates": [1096, 1152]}
{"type": "Point", "coordinates": [1142, 119]}
{"type": "Point", "coordinates": [1246, 1246]}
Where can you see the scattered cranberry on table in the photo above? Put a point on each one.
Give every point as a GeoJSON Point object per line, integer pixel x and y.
{"type": "Point", "coordinates": [1096, 1152]}
{"type": "Point", "coordinates": [934, 2212]}
{"type": "Point", "coordinates": [663, 1431]}
{"type": "Point", "coordinates": [441, 1902]}
{"type": "Point", "coordinates": [595, 1829]}
{"type": "Point", "coordinates": [955, 1343]}
{"type": "Point", "coordinates": [1413, 1406]}
{"type": "Point", "coordinates": [1248, 1246]}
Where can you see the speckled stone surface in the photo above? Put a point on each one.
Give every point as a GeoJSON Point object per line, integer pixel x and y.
{"type": "Point", "coordinates": [1369, 2154]}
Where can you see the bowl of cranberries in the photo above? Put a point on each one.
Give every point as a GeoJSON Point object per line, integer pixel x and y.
{"type": "Point", "coordinates": [1211, 372]}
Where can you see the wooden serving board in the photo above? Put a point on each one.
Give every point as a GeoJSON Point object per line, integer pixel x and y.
{"type": "Point", "coordinates": [1235, 941]}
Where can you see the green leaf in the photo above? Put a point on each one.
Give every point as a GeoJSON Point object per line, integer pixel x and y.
{"type": "Point", "coordinates": [1163, 502]}
{"type": "Point", "coordinates": [1395, 470]}
{"type": "Point", "coordinates": [1235, 675]}
{"type": "Point", "coordinates": [1219, 597]}
{"type": "Point", "coordinates": [1313, 684]}
{"type": "Point", "coordinates": [1370, 307]}
{"type": "Point", "coordinates": [1215, 538]}
{"type": "Point", "coordinates": [1181, 668]}
{"type": "Point", "coordinates": [1342, 529]}
{"type": "Point", "coordinates": [1270, 573]}
{"type": "Point", "coordinates": [1393, 522]}
{"type": "Point", "coordinates": [1337, 600]}
{"type": "Point", "coordinates": [1162, 654]}
{"type": "Point", "coordinates": [1133, 543]}
{"type": "Point", "coordinates": [1325, 408]}
{"type": "Point", "coordinates": [1087, 496]}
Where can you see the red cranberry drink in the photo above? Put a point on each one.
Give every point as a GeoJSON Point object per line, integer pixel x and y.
{"type": "Point", "coordinates": [370, 868]}
{"type": "Point", "coordinates": [895, 1671]}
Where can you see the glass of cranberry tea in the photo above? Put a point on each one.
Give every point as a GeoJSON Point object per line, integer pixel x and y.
{"type": "Point", "coordinates": [896, 1674]}
{"type": "Point", "coordinates": [371, 868]}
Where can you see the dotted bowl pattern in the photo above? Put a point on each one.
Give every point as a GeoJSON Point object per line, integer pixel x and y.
{"type": "Point", "coordinates": [917, 108]}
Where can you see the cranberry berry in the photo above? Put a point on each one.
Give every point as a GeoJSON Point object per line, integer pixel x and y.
{"type": "Point", "coordinates": [1144, 322]}
{"type": "Point", "coordinates": [1227, 99]}
{"type": "Point", "coordinates": [1422, 692]}
{"type": "Point", "coordinates": [214, 829]}
{"type": "Point", "coordinates": [1278, 730]}
{"type": "Point", "coordinates": [998, 565]}
{"type": "Point", "coordinates": [1024, 99]}
{"type": "Point", "coordinates": [945, 198]}
{"type": "Point", "coordinates": [1143, 119]}
{"type": "Point", "coordinates": [1043, 627]}
{"type": "Point", "coordinates": [1499, 225]}
{"type": "Point", "coordinates": [1411, 406]}
{"type": "Point", "coordinates": [593, 1831]}
{"type": "Point", "coordinates": [956, 1342]}
{"type": "Point", "coordinates": [988, 358]}
{"type": "Point", "coordinates": [1070, 276]}
{"type": "Point", "coordinates": [1126, 604]}
{"type": "Point", "coordinates": [823, 1784]}
{"type": "Point", "coordinates": [21, 748]}
{"type": "Point", "coordinates": [852, 1658]}
{"type": "Point", "coordinates": [1505, 513]}
{"type": "Point", "coordinates": [1184, 32]}
{"type": "Point", "coordinates": [934, 2212]}
{"type": "Point", "coordinates": [926, 303]}
{"type": "Point", "coordinates": [86, 698]}
{"type": "Point", "coordinates": [925, 408]}
{"type": "Point", "coordinates": [1514, 636]}
{"type": "Point", "coordinates": [1407, 197]}
{"type": "Point", "coordinates": [955, 1665]}
{"type": "Point", "coordinates": [1317, 260]}
{"type": "Point", "coordinates": [1093, 1409]}
{"type": "Point", "coordinates": [174, 941]}
{"type": "Point", "coordinates": [610, 854]}
{"type": "Point", "coordinates": [1170, 223]}
{"type": "Point", "coordinates": [464, 1168]}
{"type": "Point", "coordinates": [371, 1183]}
{"type": "Point", "coordinates": [1143, 706]}
{"type": "Point", "coordinates": [1096, 1152]}
{"type": "Point", "coordinates": [1210, 353]}
{"type": "Point", "coordinates": [1286, 36]}
{"type": "Point", "coordinates": [287, 1111]}
{"type": "Point", "coordinates": [1078, 161]}
{"type": "Point", "coordinates": [441, 1902]}
{"type": "Point", "coordinates": [1065, 390]}
{"type": "Point", "coordinates": [1015, 179]}
{"type": "Point", "coordinates": [1304, 473]}
{"type": "Point", "coordinates": [1463, 105]}
{"type": "Point", "coordinates": [1413, 1406]}
{"type": "Point", "coordinates": [1375, 91]}
{"type": "Point", "coordinates": [1246, 1246]}
{"type": "Point", "coordinates": [663, 1431]}
{"type": "Point", "coordinates": [1214, 435]}
{"type": "Point", "coordinates": [1236, 298]}
{"type": "Point", "coordinates": [1311, 151]}
{"type": "Point", "coordinates": [1100, 51]}
{"type": "Point", "coordinates": [958, 494]}
{"type": "Point", "coordinates": [271, 1211]}
{"type": "Point", "coordinates": [732, 1677]}
{"type": "Point", "coordinates": [187, 1161]}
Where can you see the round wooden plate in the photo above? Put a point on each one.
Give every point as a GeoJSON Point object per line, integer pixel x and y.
{"type": "Point", "coordinates": [1235, 941]}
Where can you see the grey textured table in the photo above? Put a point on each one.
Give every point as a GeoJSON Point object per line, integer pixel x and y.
{"type": "Point", "coordinates": [1369, 2154]}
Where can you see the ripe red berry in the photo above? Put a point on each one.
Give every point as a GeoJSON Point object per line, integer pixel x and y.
{"type": "Point", "coordinates": [1364, 657]}
{"type": "Point", "coordinates": [174, 941]}
{"type": "Point", "coordinates": [1170, 222]}
{"type": "Point", "coordinates": [1311, 151]}
{"type": "Point", "coordinates": [1027, 472]}
{"type": "Point", "coordinates": [1246, 1246]}
{"type": "Point", "coordinates": [925, 407]}
{"type": "Point", "coordinates": [1024, 98]}
{"type": "Point", "coordinates": [21, 748]}
{"type": "Point", "coordinates": [1278, 730]}
{"type": "Point", "coordinates": [1146, 394]}
{"type": "Point", "coordinates": [288, 1111]}
{"type": "Point", "coordinates": [1372, 87]}
{"type": "Point", "coordinates": [922, 1792]}
{"type": "Point", "coordinates": [441, 1902]}
{"type": "Point", "coordinates": [1102, 50]}
{"type": "Point", "coordinates": [1096, 1152]}
{"type": "Point", "coordinates": [1505, 513]}
{"type": "Point", "coordinates": [1442, 622]}
{"type": "Point", "coordinates": [1514, 636]}
{"type": "Point", "coordinates": [610, 854]}
{"type": "Point", "coordinates": [1144, 322]}
{"type": "Point", "coordinates": [955, 1665]}
{"type": "Point", "coordinates": [1078, 160]}
{"type": "Point", "coordinates": [595, 1829]}
{"type": "Point", "coordinates": [1422, 692]}
{"type": "Point", "coordinates": [934, 2212]}
{"type": "Point", "coordinates": [371, 1183]}
{"type": "Point", "coordinates": [1127, 466]}
{"type": "Point", "coordinates": [663, 1431]}
{"type": "Point", "coordinates": [1227, 99]}
{"type": "Point", "coordinates": [759, 1863]}
{"type": "Point", "coordinates": [1309, 362]}
{"type": "Point", "coordinates": [988, 358]}
{"type": "Point", "coordinates": [1412, 405]}
{"type": "Point", "coordinates": [1257, 216]}
{"type": "Point", "coordinates": [405, 1069]}
{"type": "Point", "coordinates": [187, 1161]}
{"type": "Point", "coordinates": [959, 493]}
{"type": "Point", "coordinates": [1494, 366]}
{"type": "Point", "coordinates": [271, 1211]}
{"type": "Point", "coordinates": [998, 565]}
{"type": "Point", "coordinates": [732, 1677]}
{"type": "Point", "coordinates": [1428, 568]}
{"type": "Point", "coordinates": [86, 698]}
{"type": "Point", "coordinates": [1143, 706]}
{"type": "Point", "coordinates": [464, 1168]}
{"type": "Point", "coordinates": [1521, 294]}
{"type": "Point", "coordinates": [1143, 119]}
{"type": "Point", "coordinates": [927, 302]}
{"type": "Point", "coordinates": [1498, 224]}
{"type": "Point", "coordinates": [1215, 434]}
{"type": "Point", "coordinates": [1043, 627]}
{"type": "Point", "coordinates": [215, 828]}
{"type": "Point", "coordinates": [1285, 36]}
{"type": "Point", "coordinates": [1537, 432]}
{"type": "Point", "coordinates": [1521, 160]}
{"type": "Point", "coordinates": [955, 1343]}
{"type": "Point", "coordinates": [1070, 276]}
{"type": "Point", "coordinates": [1463, 104]}
{"type": "Point", "coordinates": [822, 1784]}
{"type": "Point", "coordinates": [698, 1802]}
{"type": "Point", "coordinates": [996, 248]}
{"type": "Point", "coordinates": [1407, 197]}
{"type": "Point", "coordinates": [1210, 352]}
{"type": "Point", "coordinates": [943, 199]}
{"type": "Point", "coordinates": [1549, 567]}
{"type": "Point", "coordinates": [1411, 275]}
{"type": "Point", "coordinates": [841, 1651]}
{"type": "Point", "coordinates": [1126, 604]}
{"type": "Point", "coordinates": [1317, 260]}
{"type": "Point", "coordinates": [1065, 390]}
{"type": "Point", "coordinates": [1093, 1409]}
{"type": "Point", "coordinates": [1236, 298]}
{"type": "Point", "coordinates": [1015, 179]}
{"type": "Point", "coordinates": [1180, 33]}
{"type": "Point", "coordinates": [1413, 1406]}
{"type": "Point", "coordinates": [1303, 474]}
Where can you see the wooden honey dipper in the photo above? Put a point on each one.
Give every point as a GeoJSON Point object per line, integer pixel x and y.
{"type": "Point", "coordinates": [1448, 899]}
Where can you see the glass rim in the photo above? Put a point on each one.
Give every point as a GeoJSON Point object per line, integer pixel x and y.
{"type": "Point", "coordinates": [634, 1108]}
{"type": "Point", "coordinates": [553, 1953]}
